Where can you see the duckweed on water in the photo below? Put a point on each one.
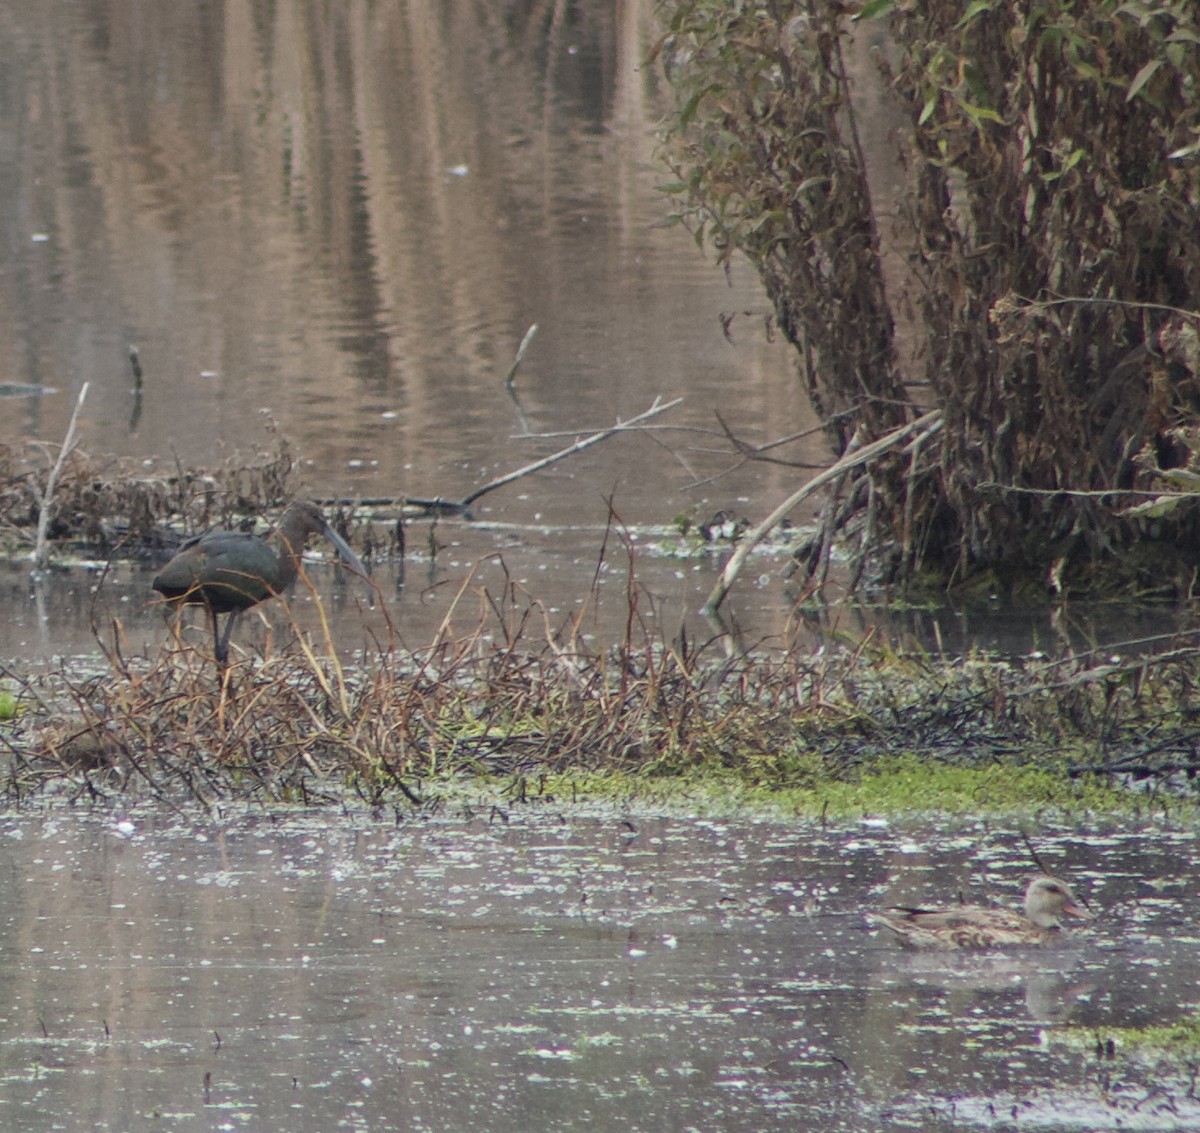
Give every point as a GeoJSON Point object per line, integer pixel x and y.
{"type": "Point", "coordinates": [1180, 1039]}
{"type": "Point", "coordinates": [895, 786]}
{"type": "Point", "coordinates": [910, 784]}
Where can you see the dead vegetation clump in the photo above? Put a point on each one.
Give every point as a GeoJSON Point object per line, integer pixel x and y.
{"type": "Point", "coordinates": [522, 701]}
{"type": "Point", "coordinates": [512, 697]}
{"type": "Point", "coordinates": [114, 508]}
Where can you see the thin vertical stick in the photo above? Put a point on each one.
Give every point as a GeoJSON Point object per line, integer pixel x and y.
{"type": "Point", "coordinates": [41, 553]}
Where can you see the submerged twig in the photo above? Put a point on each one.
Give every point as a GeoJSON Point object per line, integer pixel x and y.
{"type": "Point", "coordinates": [135, 363]}
{"type": "Point", "coordinates": [510, 377]}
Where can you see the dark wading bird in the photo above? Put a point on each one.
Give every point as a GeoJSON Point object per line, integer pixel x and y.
{"type": "Point", "coordinates": [227, 572]}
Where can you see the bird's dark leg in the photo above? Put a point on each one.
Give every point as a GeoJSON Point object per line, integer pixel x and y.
{"type": "Point", "coordinates": [222, 651]}
{"type": "Point", "coordinates": [223, 640]}
{"type": "Point", "coordinates": [216, 630]}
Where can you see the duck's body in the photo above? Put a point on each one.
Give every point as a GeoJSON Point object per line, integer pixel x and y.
{"type": "Point", "coordinates": [227, 572]}
{"type": "Point", "coordinates": [1047, 901]}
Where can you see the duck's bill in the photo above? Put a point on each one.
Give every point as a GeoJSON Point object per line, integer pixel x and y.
{"type": "Point", "coordinates": [1074, 910]}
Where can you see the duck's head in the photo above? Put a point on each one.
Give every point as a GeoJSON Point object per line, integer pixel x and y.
{"type": "Point", "coordinates": [1048, 900]}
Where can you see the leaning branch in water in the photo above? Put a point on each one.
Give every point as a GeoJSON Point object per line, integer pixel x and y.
{"type": "Point", "coordinates": [924, 424]}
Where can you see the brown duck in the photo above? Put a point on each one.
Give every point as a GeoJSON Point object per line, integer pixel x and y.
{"type": "Point", "coordinates": [1047, 901]}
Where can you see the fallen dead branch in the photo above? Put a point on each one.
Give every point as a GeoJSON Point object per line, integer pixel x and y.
{"type": "Point", "coordinates": [105, 507]}
{"type": "Point", "coordinates": [109, 506]}
{"type": "Point", "coordinates": [461, 507]}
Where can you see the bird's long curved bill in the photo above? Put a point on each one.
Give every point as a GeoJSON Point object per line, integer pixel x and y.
{"type": "Point", "coordinates": [344, 551]}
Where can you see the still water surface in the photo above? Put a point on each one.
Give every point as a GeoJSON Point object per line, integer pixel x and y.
{"type": "Point", "coordinates": [348, 218]}
{"type": "Point", "coordinates": [342, 220]}
{"type": "Point", "coordinates": [537, 969]}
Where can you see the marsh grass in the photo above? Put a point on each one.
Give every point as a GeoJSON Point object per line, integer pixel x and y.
{"type": "Point", "coordinates": [507, 691]}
